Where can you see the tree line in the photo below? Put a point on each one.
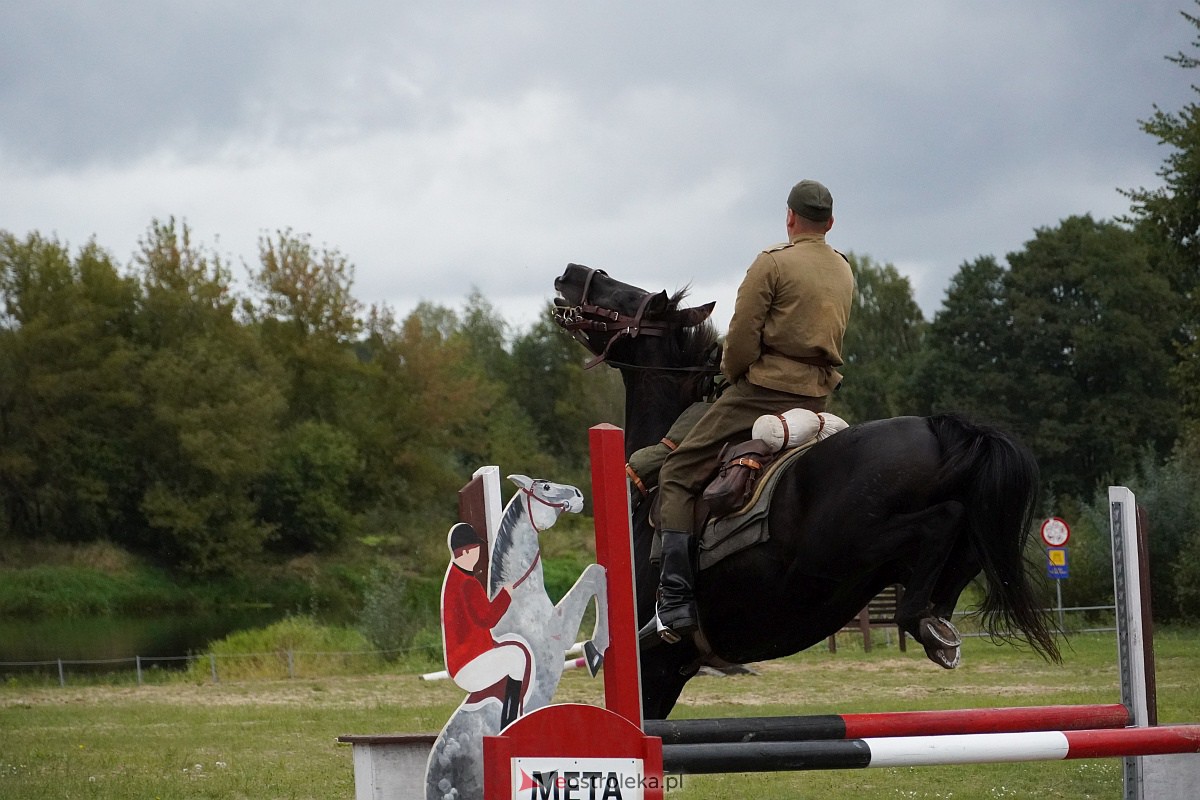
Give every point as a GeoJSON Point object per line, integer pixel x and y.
{"type": "Point", "coordinates": [158, 406]}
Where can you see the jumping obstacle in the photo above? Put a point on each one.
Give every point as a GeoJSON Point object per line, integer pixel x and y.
{"type": "Point", "coordinates": [588, 751]}
{"type": "Point", "coordinates": [848, 741]}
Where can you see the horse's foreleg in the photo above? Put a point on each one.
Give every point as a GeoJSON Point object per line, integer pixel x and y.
{"type": "Point", "coordinates": [568, 614]}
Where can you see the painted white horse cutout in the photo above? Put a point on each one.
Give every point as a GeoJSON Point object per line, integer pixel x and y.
{"type": "Point", "coordinates": [544, 631]}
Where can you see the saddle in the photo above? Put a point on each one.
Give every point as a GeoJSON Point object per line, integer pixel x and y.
{"type": "Point", "coordinates": [732, 512]}
{"type": "Point", "coordinates": [722, 536]}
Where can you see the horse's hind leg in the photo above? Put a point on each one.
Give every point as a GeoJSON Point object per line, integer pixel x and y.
{"type": "Point", "coordinates": [937, 534]}
{"type": "Point", "coordinates": [960, 569]}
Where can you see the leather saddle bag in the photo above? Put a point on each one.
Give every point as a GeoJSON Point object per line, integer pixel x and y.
{"type": "Point", "coordinates": [741, 465]}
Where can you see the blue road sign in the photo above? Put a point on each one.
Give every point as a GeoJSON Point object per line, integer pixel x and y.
{"type": "Point", "coordinates": [1056, 563]}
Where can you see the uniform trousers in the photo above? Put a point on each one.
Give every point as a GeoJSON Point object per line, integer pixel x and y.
{"type": "Point", "coordinates": [691, 465]}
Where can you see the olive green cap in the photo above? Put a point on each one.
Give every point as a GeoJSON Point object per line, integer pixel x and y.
{"type": "Point", "coordinates": [811, 200]}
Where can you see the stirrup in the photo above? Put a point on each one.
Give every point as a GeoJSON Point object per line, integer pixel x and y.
{"type": "Point", "coordinates": [670, 635]}
{"type": "Point", "coordinates": [666, 634]}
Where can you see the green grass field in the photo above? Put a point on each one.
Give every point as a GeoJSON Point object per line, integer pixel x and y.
{"type": "Point", "coordinates": [266, 739]}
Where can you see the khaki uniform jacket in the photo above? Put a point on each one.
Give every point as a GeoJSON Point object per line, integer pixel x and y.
{"type": "Point", "coordinates": [792, 308]}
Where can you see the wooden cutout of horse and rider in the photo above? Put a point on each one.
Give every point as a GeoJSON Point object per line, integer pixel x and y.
{"type": "Point", "coordinates": [504, 641]}
{"type": "Point", "coordinates": [930, 503]}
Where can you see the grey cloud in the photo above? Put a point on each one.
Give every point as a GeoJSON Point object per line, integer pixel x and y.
{"type": "Point", "coordinates": [440, 144]}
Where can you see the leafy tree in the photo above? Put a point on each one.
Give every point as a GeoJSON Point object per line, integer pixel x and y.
{"type": "Point", "coordinates": [967, 363]}
{"type": "Point", "coordinates": [1069, 347]}
{"type": "Point", "coordinates": [486, 336]}
{"type": "Point", "coordinates": [1093, 321]}
{"type": "Point", "coordinates": [309, 320]}
{"type": "Point", "coordinates": [428, 405]}
{"type": "Point", "coordinates": [882, 344]}
{"type": "Point", "coordinates": [211, 410]}
{"type": "Point", "coordinates": [307, 288]}
{"type": "Point", "coordinates": [506, 434]}
{"type": "Point", "coordinates": [306, 495]}
{"type": "Point", "coordinates": [1171, 213]}
{"type": "Point", "coordinates": [1170, 216]}
{"type": "Point", "coordinates": [1170, 494]}
{"type": "Point", "coordinates": [66, 368]}
{"type": "Point", "coordinates": [561, 398]}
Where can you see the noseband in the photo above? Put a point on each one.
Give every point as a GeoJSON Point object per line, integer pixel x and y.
{"type": "Point", "coordinates": [530, 496]}
{"type": "Point", "coordinates": [590, 317]}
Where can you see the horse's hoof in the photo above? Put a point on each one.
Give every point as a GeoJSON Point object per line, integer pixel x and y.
{"type": "Point", "coordinates": [592, 657]}
{"type": "Point", "coordinates": [940, 630]}
{"type": "Point", "coordinates": [944, 657]}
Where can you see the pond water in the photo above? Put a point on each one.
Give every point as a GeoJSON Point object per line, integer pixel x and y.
{"type": "Point", "coordinates": [114, 639]}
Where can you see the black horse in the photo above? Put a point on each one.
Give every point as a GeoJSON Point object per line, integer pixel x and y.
{"type": "Point", "coordinates": [928, 503]}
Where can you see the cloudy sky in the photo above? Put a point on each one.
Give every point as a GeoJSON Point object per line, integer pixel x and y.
{"type": "Point", "coordinates": [445, 145]}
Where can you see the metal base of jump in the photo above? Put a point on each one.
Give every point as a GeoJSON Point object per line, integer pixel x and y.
{"type": "Point", "coordinates": [921, 751]}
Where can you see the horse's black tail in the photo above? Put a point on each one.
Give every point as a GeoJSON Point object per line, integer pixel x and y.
{"type": "Point", "coordinates": [997, 479]}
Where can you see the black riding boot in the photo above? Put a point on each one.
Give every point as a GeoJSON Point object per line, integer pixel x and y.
{"type": "Point", "coordinates": [676, 603]}
{"type": "Point", "coordinates": [512, 703]}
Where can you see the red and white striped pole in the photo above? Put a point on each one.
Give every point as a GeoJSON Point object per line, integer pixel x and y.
{"type": "Point", "coordinates": [922, 751]}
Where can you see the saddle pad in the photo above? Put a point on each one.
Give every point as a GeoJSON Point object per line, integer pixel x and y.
{"type": "Point", "coordinates": [724, 536]}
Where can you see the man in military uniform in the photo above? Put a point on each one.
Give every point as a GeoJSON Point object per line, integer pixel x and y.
{"type": "Point", "coordinates": [781, 350]}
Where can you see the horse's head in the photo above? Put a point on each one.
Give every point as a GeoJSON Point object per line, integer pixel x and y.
{"type": "Point", "coordinates": [546, 499]}
{"type": "Point", "coordinates": [536, 506]}
{"type": "Point", "coordinates": [599, 311]}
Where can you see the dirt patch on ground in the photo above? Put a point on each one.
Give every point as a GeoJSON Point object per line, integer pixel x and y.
{"type": "Point", "coordinates": [332, 692]}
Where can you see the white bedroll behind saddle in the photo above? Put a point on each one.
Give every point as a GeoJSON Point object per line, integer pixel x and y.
{"type": "Point", "coordinates": [796, 427]}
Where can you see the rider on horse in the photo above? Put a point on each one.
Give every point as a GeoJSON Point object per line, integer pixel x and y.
{"type": "Point", "coordinates": [783, 343]}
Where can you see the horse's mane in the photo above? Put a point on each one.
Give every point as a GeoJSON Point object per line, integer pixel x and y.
{"type": "Point", "coordinates": [505, 543]}
{"type": "Point", "coordinates": [687, 347]}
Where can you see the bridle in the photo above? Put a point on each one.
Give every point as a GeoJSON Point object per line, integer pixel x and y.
{"type": "Point", "coordinates": [590, 317]}
{"type": "Point", "coordinates": [529, 498]}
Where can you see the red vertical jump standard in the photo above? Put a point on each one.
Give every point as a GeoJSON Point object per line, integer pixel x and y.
{"type": "Point", "coordinates": [573, 750]}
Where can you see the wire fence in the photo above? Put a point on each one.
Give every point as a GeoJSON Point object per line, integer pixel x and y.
{"type": "Point", "coordinates": [291, 664]}
{"type": "Point", "coordinates": [213, 667]}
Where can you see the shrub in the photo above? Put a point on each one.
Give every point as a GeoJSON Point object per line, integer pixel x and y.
{"type": "Point", "coordinates": [396, 609]}
{"type": "Point", "coordinates": [292, 647]}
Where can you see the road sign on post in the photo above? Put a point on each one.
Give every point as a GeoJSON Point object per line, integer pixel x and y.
{"type": "Point", "coordinates": [1055, 532]}
{"type": "Point", "coordinates": [1056, 563]}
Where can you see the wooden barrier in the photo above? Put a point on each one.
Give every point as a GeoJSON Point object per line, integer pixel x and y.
{"type": "Point", "coordinates": [879, 613]}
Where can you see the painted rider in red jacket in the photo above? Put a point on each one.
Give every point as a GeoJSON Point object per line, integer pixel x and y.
{"type": "Point", "coordinates": [474, 659]}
